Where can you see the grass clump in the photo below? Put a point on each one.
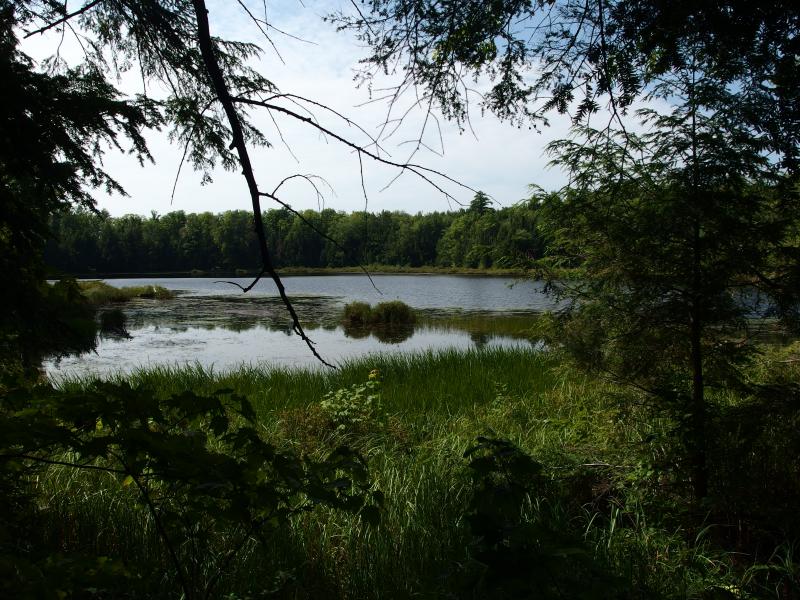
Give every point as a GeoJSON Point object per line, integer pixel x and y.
{"type": "Point", "coordinates": [99, 292]}
{"type": "Point", "coordinates": [357, 313]}
{"type": "Point", "coordinates": [394, 312]}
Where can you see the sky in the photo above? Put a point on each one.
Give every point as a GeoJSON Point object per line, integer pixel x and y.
{"type": "Point", "coordinates": [497, 158]}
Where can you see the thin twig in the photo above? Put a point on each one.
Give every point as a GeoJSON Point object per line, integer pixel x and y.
{"type": "Point", "coordinates": [320, 233]}
{"type": "Point", "coordinates": [162, 532]}
{"type": "Point", "coordinates": [423, 173]}
{"type": "Point", "coordinates": [61, 463]}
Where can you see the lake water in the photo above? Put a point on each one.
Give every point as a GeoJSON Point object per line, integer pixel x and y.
{"type": "Point", "coordinates": [215, 325]}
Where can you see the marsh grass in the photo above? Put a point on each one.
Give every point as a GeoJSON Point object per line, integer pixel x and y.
{"type": "Point", "coordinates": [520, 326]}
{"type": "Point", "coordinates": [608, 487]}
{"type": "Point", "coordinates": [99, 292]}
{"type": "Point", "coordinates": [393, 313]}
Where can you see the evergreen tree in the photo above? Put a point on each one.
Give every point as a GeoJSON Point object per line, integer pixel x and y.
{"type": "Point", "coordinates": [666, 225]}
{"type": "Point", "coordinates": [676, 231]}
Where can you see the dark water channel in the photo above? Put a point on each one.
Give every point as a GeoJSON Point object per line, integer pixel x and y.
{"type": "Point", "coordinates": [213, 324]}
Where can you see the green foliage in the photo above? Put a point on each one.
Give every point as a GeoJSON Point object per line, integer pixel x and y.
{"type": "Point", "coordinates": [64, 323]}
{"type": "Point", "coordinates": [57, 120]}
{"type": "Point", "coordinates": [667, 225]}
{"type": "Point", "coordinates": [577, 57]}
{"type": "Point", "coordinates": [99, 292]}
{"type": "Point", "coordinates": [524, 556]}
{"type": "Point", "coordinates": [607, 484]}
{"type": "Point", "coordinates": [85, 242]}
{"type": "Point", "coordinates": [680, 234]}
{"type": "Point", "coordinates": [357, 409]}
{"type": "Point", "coordinates": [63, 115]}
{"type": "Point", "coordinates": [392, 313]}
{"type": "Point", "coordinates": [196, 463]}
{"type": "Point", "coordinates": [357, 313]}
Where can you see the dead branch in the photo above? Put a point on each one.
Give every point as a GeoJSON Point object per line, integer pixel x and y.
{"type": "Point", "coordinates": [223, 94]}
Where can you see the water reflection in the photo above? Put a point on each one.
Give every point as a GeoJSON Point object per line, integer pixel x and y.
{"type": "Point", "coordinates": [480, 339]}
{"type": "Point", "coordinates": [233, 313]}
{"type": "Point", "coordinates": [393, 334]}
{"type": "Point", "coordinates": [386, 334]}
{"type": "Point", "coordinates": [225, 332]}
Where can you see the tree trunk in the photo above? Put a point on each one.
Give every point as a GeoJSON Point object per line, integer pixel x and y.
{"type": "Point", "coordinates": [698, 411]}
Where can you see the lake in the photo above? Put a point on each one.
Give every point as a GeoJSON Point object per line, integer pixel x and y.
{"type": "Point", "coordinates": [215, 325]}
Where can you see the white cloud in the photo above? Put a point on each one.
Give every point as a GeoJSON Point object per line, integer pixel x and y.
{"type": "Point", "coordinates": [500, 160]}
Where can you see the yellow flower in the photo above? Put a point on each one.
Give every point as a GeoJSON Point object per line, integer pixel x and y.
{"type": "Point", "coordinates": [374, 374]}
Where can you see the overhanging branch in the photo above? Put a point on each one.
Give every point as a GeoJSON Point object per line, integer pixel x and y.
{"type": "Point", "coordinates": [220, 87]}
{"type": "Point", "coordinates": [424, 173]}
{"type": "Point", "coordinates": [63, 19]}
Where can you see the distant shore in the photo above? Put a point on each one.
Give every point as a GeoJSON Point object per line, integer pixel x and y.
{"type": "Point", "coordinates": [288, 271]}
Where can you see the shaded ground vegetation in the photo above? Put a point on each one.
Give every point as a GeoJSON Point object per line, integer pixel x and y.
{"type": "Point", "coordinates": [483, 474]}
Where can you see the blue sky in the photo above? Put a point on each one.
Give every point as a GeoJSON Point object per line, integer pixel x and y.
{"type": "Point", "coordinates": [499, 159]}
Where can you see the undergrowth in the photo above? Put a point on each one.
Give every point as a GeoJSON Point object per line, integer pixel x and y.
{"type": "Point", "coordinates": [572, 489]}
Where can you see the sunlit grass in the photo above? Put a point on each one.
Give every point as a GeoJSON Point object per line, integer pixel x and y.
{"type": "Point", "coordinates": [595, 441]}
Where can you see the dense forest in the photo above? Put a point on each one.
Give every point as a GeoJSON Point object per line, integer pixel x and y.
{"type": "Point", "coordinates": [84, 242]}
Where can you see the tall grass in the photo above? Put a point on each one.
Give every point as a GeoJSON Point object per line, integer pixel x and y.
{"type": "Point", "coordinates": [603, 485]}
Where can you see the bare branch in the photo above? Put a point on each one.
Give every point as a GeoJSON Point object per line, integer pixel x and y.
{"type": "Point", "coordinates": [374, 141]}
{"type": "Point", "coordinates": [260, 24]}
{"type": "Point", "coordinates": [62, 463]}
{"type": "Point", "coordinates": [318, 231]}
{"type": "Point", "coordinates": [423, 173]}
{"type": "Point", "coordinates": [186, 152]}
{"type": "Point", "coordinates": [223, 94]}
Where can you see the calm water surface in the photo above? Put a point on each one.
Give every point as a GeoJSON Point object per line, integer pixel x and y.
{"type": "Point", "coordinates": [419, 291]}
{"type": "Point", "coordinates": [217, 326]}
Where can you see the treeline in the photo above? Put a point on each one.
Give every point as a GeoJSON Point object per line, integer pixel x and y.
{"type": "Point", "coordinates": [85, 242]}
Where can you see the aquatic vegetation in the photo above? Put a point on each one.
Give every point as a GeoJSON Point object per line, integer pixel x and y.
{"type": "Point", "coordinates": [99, 292]}
{"type": "Point", "coordinates": [357, 313]}
{"type": "Point", "coordinates": [394, 312]}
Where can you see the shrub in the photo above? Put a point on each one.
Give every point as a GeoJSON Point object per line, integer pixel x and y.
{"type": "Point", "coordinates": [357, 313]}
{"type": "Point", "coordinates": [356, 409]}
{"type": "Point", "coordinates": [385, 313]}
{"type": "Point", "coordinates": [200, 459]}
{"type": "Point", "coordinates": [393, 313]}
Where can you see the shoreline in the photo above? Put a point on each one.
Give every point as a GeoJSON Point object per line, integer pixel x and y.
{"type": "Point", "coordinates": [294, 271]}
